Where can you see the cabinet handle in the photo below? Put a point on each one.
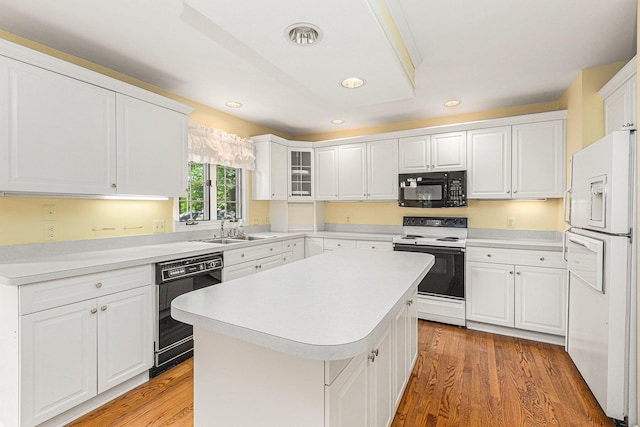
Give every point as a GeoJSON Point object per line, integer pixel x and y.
{"type": "Point", "coordinates": [515, 191]}
{"type": "Point", "coordinates": [103, 308]}
{"type": "Point", "coordinates": [94, 310]}
{"type": "Point", "coordinates": [518, 273]}
{"type": "Point", "coordinates": [511, 272]}
{"type": "Point", "coordinates": [241, 255]}
{"type": "Point", "coordinates": [271, 249]}
{"type": "Point", "coordinates": [373, 355]}
{"type": "Point", "coordinates": [373, 247]}
{"type": "Point", "coordinates": [273, 194]}
{"type": "Point", "coordinates": [541, 258]}
{"type": "Point", "coordinates": [98, 285]}
{"type": "Point", "coordinates": [295, 244]}
{"type": "Point", "coordinates": [113, 186]}
{"type": "Point", "coordinates": [508, 191]}
{"type": "Point", "coordinates": [489, 255]}
{"type": "Point", "coordinates": [410, 302]}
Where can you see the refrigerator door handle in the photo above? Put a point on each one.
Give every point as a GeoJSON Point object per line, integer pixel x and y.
{"type": "Point", "coordinates": [566, 196]}
{"type": "Point", "coordinates": [564, 245]}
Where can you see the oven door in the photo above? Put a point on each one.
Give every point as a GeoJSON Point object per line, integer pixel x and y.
{"type": "Point", "coordinates": [423, 190]}
{"type": "Point", "coordinates": [446, 277]}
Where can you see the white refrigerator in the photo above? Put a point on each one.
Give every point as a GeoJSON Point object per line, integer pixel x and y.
{"type": "Point", "coordinates": [601, 254]}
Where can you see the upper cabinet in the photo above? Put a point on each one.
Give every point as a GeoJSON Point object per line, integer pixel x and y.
{"type": "Point", "coordinates": [433, 153]}
{"type": "Point", "coordinates": [57, 135]}
{"type": "Point", "coordinates": [363, 171]}
{"type": "Point", "coordinates": [68, 130]}
{"type": "Point", "coordinates": [619, 95]}
{"type": "Point", "coordinates": [523, 161]}
{"type": "Point", "coordinates": [152, 148]}
{"type": "Point", "coordinates": [269, 179]}
{"type": "Point", "coordinates": [300, 174]}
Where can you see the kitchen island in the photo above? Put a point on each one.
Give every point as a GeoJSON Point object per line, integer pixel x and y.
{"type": "Point", "coordinates": [326, 341]}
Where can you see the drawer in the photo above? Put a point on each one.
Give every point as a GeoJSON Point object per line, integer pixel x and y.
{"type": "Point", "coordinates": [254, 266]}
{"type": "Point", "coordinates": [333, 244]}
{"type": "Point", "coordinates": [55, 293]}
{"type": "Point", "coordinates": [287, 257]}
{"type": "Point", "coordinates": [551, 259]}
{"type": "Point", "coordinates": [235, 256]}
{"type": "Point", "coordinates": [370, 244]}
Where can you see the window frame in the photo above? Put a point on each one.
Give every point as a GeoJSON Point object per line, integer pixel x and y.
{"type": "Point", "coordinates": [213, 222]}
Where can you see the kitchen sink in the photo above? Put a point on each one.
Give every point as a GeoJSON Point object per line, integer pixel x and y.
{"type": "Point", "coordinates": [222, 241]}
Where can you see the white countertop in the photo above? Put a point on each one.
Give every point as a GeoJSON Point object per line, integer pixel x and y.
{"type": "Point", "coordinates": [531, 244]}
{"type": "Point", "coordinates": [328, 307]}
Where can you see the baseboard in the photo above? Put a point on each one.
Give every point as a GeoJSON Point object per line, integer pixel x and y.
{"type": "Point", "coordinates": [517, 333]}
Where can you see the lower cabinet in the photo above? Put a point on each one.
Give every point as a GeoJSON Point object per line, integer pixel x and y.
{"type": "Point", "coordinates": [368, 391]}
{"type": "Point", "coordinates": [73, 352]}
{"type": "Point", "coordinates": [292, 250]}
{"type": "Point", "coordinates": [313, 246]}
{"type": "Point", "coordinates": [255, 266]}
{"type": "Point", "coordinates": [525, 296]}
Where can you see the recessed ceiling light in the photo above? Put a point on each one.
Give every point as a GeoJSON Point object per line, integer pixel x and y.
{"type": "Point", "coordinates": [233, 104]}
{"type": "Point", "coordinates": [337, 121]}
{"type": "Point", "coordinates": [352, 83]}
{"type": "Point", "coordinates": [452, 103]}
{"type": "Point", "coordinates": [303, 34]}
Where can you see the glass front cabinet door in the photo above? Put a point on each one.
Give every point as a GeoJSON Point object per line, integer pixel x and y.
{"type": "Point", "coordinates": [300, 174]}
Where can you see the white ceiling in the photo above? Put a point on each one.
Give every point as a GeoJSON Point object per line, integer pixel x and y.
{"type": "Point", "coordinates": [488, 54]}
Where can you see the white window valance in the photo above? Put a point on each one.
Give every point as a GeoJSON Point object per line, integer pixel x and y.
{"type": "Point", "coordinates": [207, 145]}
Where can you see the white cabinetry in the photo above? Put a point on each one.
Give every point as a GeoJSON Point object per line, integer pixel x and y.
{"type": "Point", "coordinates": [522, 161]}
{"type": "Point", "coordinates": [245, 261]}
{"type": "Point", "coordinates": [301, 174]}
{"type": "Point", "coordinates": [619, 95]}
{"type": "Point", "coordinates": [292, 250]}
{"type": "Point", "coordinates": [151, 149]}
{"type": "Point", "coordinates": [520, 289]}
{"type": "Point", "coordinates": [382, 170]}
{"type": "Point", "coordinates": [269, 179]}
{"type": "Point", "coordinates": [335, 244]}
{"type": "Point", "coordinates": [374, 245]}
{"type": "Point", "coordinates": [56, 134]}
{"type": "Point", "coordinates": [67, 130]}
{"type": "Point", "coordinates": [362, 395]}
{"type": "Point", "coordinates": [363, 171]}
{"type": "Point", "coordinates": [433, 153]}
{"type": "Point", "coordinates": [405, 346]}
{"type": "Point", "coordinates": [313, 246]}
{"type": "Point", "coordinates": [352, 172]}
{"type": "Point", "coordinates": [99, 337]}
{"type": "Point", "coordinates": [327, 173]}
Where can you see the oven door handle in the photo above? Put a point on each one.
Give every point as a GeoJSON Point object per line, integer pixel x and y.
{"type": "Point", "coordinates": [439, 249]}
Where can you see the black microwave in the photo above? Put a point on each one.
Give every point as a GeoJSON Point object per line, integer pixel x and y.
{"type": "Point", "coordinates": [433, 189]}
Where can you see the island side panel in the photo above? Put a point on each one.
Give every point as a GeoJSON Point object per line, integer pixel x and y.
{"type": "Point", "coordinates": [241, 384]}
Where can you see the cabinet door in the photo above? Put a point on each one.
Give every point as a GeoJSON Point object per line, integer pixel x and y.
{"type": "Point", "coordinates": [489, 293]}
{"type": "Point", "coordinates": [413, 332]}
{"type": "Point", "coordinates": [382, 170]}
{"type": "Point", "coordinates": [300, 174]}
{"type": "Point", "coordinates": [620, 107]}
{"type": "Point", "coordinates": [414, 154]}
{"type": "Point", "coordinates": [540, 299]}
{"type": "Point", "coordinates": [296, 247]}
{"type": "Point", "coordinates": [380, 382]}
{"type": "Point", "coordinates": [238, 270]}
{"type": "Point", "coordinates": [313, 246]}
{"type": "Point", "coordinates": [152, 149]}
{"type": "Point", "coordinates": [348, 397]}
{"type": "Point", "coordinates": [352, 172]}
{"type": "Point", "coordinates": [489, 161]}
{"type": "Point", "coordinates": [58, 360]}
{"type": "Point", "coordinates": [327, 173]}
{"type": "Point", "coordinates": [401, 350]}
{"type": "Point", "coordinates": [538, 160]}
{"type": "Point", "coordinates": [278, 172]}
{"type": "Point", "coordinates": [57, 134]}
{"type": "Point", "coordinates": [125, 336]}
{"type": "Point", "coordinates": [268, 263]}
{"type": "Point", "coordinates": [449, 152]}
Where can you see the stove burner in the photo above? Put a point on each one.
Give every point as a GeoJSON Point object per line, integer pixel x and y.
{"type": "Point", "coordinates": [448, 239]}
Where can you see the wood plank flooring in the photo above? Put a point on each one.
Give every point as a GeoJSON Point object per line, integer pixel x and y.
{"type": "Point", "coordinates": [462, 378]}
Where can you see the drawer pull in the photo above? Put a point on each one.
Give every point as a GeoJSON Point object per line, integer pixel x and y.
{"type": "Point", "coordinates": [511, 272]}
{"type": "Point", "coordinates": [241, 255]}
{"type": "Point", "coordinates": [271, 249]}
{"type": "Point", "coordinates": [518, 273]}
{"type": "Point", "coordinates": [489, 255]}
{"type": "Point", "coordinates": [94, 310]}
{"type": "Point", "coordinates": [98, 285]}
{"type": "Point", "coordinates": [103, 308]}
{"type": "Point", "coordinates": [541, 258]}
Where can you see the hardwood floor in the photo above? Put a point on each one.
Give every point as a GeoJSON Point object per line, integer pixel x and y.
{"type": "Point", "coordinates": [462, 378]}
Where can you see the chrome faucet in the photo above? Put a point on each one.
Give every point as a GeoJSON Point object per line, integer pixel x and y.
{"type": "Point", "coordinates": [222, 220]}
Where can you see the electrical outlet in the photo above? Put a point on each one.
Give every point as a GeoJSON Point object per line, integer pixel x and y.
{"type": "Point", "coordinates": [256, 220]}
{"type": "Point", "coordinates": [158, 225]}
{"type": "Point", "coordinates": [348, 219]}
{"type": "Point", "coordinates": [48, 212]}
{"type": "Point", "coordinates": [50, 232]}
{"type": "Point", "coordinates": [510, 221]}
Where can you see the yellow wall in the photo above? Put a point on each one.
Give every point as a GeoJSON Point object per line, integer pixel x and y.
{"type": "Point", "coordinates": [21, 218]}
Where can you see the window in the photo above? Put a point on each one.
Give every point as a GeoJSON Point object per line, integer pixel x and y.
{"type": "Point", "coordinates": [211, 187]}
